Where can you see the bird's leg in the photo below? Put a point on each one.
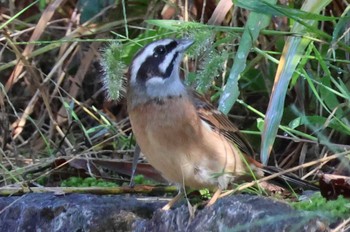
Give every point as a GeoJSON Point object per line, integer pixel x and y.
{"type": "Point", "coordinates": [214, 197]}
{"type": "Point", "coordinates": [134, 165]}
{"type": "Point", "coordinates": [174, 200]}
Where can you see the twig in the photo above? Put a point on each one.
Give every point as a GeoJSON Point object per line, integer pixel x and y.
{"type": "Point", "coordinates": [252, 183]}
{"type": "Point", "coordinates": [144, 189]}
{"type": "Point", "coordinates": [341, 226]}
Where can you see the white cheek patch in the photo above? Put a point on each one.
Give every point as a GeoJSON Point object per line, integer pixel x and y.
{"type": "Point", "coordinates": [136, 64]}
{"type": "Point", "coordinates": [140, 59]}
{"type": "Point", "coordinates": [165, 64]}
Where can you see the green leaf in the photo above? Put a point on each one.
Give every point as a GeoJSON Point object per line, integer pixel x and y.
{"type": "Point", "coordinates": [260, 124]}
{"type": "Point", "coordinates": [319, 122]}
{"type": "Point", "coordinates": [291, 56]}
{"type": "Point", "coordinates": [255, 23]}
{"type": "Point", "coordinates": [341, 25]}
{"type": "Point", "coordinates": [265, 7]}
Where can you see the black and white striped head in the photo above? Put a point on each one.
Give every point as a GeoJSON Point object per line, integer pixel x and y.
{"type": "Point", "coordinates": [155, 69]}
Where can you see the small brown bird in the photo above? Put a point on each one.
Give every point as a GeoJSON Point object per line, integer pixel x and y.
{"type": "Point", "coordinates": [183, 136]}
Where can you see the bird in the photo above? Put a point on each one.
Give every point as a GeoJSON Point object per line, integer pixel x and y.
{"type": "Point", "coordinates": [181, 134]}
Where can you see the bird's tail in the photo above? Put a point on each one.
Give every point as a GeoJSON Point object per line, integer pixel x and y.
{"type": "Point", "coordinates": [288, 180]}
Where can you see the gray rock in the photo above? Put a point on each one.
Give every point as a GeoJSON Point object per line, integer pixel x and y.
{"type": "Point", "coordinates": [72, 212]}
{"type": "Point", "coordinates": [85, 212]}
{"type": "Point", "coordinates": [235, 213]}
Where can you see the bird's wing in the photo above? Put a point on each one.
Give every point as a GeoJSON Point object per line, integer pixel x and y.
{"type": "Point", "coordinates": [220, 123]}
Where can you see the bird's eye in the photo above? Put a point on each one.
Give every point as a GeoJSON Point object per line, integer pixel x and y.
{"type": "Point", "coordinates": [158, 51]}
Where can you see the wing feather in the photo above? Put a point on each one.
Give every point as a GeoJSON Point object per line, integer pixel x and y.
{"type": "Point", "coordinates": [220, 123]}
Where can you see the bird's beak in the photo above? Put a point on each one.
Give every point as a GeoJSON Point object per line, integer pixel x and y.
{"type": "Point", "coordinates": [184, 44]}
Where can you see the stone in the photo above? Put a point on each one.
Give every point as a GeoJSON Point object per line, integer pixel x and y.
{"type": "Point", "coordinates": [88, 212]}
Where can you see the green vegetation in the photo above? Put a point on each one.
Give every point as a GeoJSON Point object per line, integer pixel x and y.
{"type": "Point", "coordinates": [86, 182]}
{"type": "Point", "coordinates": [339, 208]}
{"type": "Point", "coordinates": [140, 179]}
{"type": "Point", "coordinates": [280, 71]}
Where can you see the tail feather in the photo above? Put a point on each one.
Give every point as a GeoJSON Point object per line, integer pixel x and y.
{"type": "Point", "coordinates": [288, 180]}
{"type": "Point", "coordinates": [284, 180]}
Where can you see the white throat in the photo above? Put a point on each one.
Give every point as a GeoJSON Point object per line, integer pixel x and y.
{"type": "Point", "coordinates": [158, 87]}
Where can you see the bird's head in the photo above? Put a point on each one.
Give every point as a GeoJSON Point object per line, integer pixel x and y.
{"type": "Point", "coordinates": [154, 71]}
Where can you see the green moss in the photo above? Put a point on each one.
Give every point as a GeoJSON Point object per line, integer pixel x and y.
{"type": "Point", "coordinates": [86, 182]}
{"type": "Point", "coordinates": [339, 208]}
{"type": "Point", "coordinates": [140, 179]}
{"type": "Point", "coordinates": [205, 193]}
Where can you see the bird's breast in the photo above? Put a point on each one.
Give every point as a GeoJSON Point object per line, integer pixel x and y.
{"type": "Point", "coordinates": [174, 141]}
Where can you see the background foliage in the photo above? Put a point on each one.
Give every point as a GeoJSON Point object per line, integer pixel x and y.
{"type": "Point", "coordinates": [287, 58]}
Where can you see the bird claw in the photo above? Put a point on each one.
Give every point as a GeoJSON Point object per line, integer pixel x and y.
{"type": "Point", "coordinates": [172, 201]}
